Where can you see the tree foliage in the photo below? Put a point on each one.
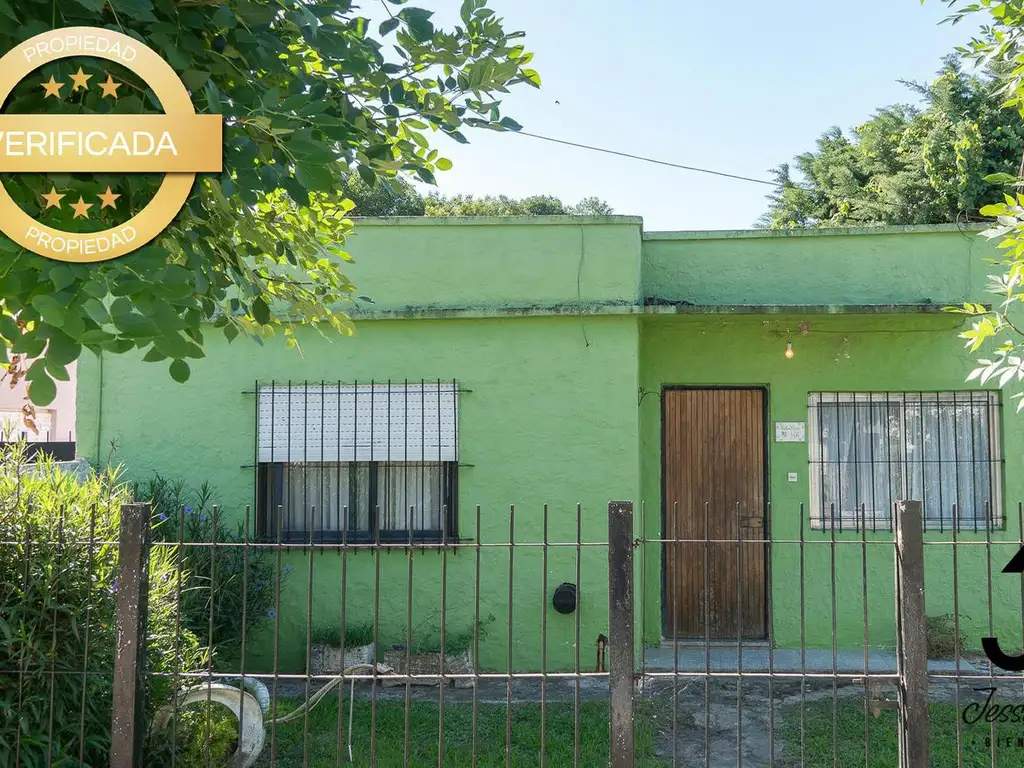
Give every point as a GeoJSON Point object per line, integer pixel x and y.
{"type": "Point", "coordinates": [908, 164]}
{"type": "Point", "coordinates": [310, 90]}
{"type": "Point", "coordinates": [501, 205]}
{"type": "Point", "coordinates": [397, 197]}
{"type": "Point", "coordinates": [997, 331]}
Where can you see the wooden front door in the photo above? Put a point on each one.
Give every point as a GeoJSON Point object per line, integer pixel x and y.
{"type": "Point", "coordinates": [714, 497]}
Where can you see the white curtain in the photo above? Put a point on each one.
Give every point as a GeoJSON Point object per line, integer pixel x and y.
{"type": "Point", "coordinates": [410, 496]}
{"type": "Point", "coordinates": [949, 461]}
{"type": "Point", "coordinates": [861, 457]}
{"type": "Point", "coordinates": [326, 491]}
{"type": "Point", "coordinates": [876, 449]}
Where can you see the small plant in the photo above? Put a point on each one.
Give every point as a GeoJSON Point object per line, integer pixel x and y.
{"type": "Point", "coordinates": [942, 638]}
{"type": "Point", "coordinates": [217, 576]}
{"type": "Point", "coordinates": [198, 740]}
{"type": "Point", "coordinates": [356, 635]}
{"type": "Point", "coordinates": [455, 642]}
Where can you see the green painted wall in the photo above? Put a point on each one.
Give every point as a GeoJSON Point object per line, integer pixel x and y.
{"type": "Point", "coordinates": [496, 262]}
{"type": "Point", "coordinates": [831, 267]}
{"type": "Point", "coordinates": [544, 423]}
{"type": "Point", "coordinates": [896, 353]}
{"type": "Point", "coordinates": [551, 417]}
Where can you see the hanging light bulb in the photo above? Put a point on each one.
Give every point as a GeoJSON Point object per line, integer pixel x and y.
{"type": "Point", "coordinates": [789, 350]}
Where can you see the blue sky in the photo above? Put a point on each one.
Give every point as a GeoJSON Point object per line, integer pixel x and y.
{"type": "Point", "coordinates": [738, 87]}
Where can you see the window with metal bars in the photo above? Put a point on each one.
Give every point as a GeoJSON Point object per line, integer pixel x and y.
{"type": "Point", "coordinates": [350, 462]}
{"type": "Point", "coordinates": [353, 501]}
{"type": "Point", "coordinates": [869, 450]}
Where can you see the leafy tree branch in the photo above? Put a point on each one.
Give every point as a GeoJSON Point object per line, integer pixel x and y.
{"type": "Point", "coordinates": [311, 92]}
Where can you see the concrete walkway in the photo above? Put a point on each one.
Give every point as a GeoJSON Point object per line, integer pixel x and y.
{"type": "Point", "coordinates": [756, 658]}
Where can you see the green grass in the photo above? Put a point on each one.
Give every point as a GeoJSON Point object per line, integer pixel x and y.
{"type": "Point", "coordinates": [883, 738]}
{"type": "Point", "coordinates": [322, 741]}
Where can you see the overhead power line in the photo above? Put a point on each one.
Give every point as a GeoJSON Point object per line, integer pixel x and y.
{"type": "Point", "coordinates": [649, 159]}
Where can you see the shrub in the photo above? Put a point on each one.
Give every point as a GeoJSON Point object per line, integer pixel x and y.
{"type": "Point", "coordinates": [217, 575]}
{"type": "Point", "coordinates": [456, 641]}
{"type": "Point", "coordinates": [941, 637]}
{"type": "Point", "coordinates": [58, 568]}
{"type": "Point", "coordinates": [193, 740]}
{"type": "Point", "coordinates": [355, 635]}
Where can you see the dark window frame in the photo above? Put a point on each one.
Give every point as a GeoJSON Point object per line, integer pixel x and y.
{"type": "Point", "coordinates": [270, 493]}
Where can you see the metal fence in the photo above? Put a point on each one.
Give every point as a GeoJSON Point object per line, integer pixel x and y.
{"type": "Point", "coordinates": [814, 681]}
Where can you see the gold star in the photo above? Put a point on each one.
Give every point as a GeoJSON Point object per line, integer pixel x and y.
{"type": "Point", "coordinates": [80, 80]}
{"type": "Point", "coordinates": [52, 88]}
{"type": "Point", "coordinates": [108, 198]}
{"type": "Point", "coordinates": [81, 208]}
{"type": "Point", "coordinates": [110, 87]}
{"type": "Point", "coordinates": [53, 199]}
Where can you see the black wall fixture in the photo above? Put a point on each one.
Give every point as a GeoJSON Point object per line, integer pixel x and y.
{"type": "Point", "coordinates": [564, 598]}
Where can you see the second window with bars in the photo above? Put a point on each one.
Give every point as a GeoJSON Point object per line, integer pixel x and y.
{"type": "Point", "coordinates": [869, 450]}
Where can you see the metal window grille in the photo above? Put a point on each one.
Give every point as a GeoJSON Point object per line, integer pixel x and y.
{"type": "Point", "coordinates": [389, 501]}
{"type": "Point", "coordinates": [869, 449]}
{"type": "Point", "coordinates": [362, 461]}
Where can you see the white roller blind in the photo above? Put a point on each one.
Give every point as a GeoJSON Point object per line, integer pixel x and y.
{"type": "Point", "coordinates": [367, 422]}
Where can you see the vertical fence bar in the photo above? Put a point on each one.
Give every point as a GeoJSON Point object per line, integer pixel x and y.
{"type": "Point", "coordinates": [913, 651]}
{"type": "Point", "coordinates": [620, 631]}
{"type": "Point", "coordinates": [544, 648]}
{"type": "Point", "coordinates": [128, 718]}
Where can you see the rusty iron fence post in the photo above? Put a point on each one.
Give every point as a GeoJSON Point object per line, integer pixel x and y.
{"type": "Point", "coordinates": [620, 632]}
{"type": "Point", "coordinates": [128, 718]}
{"type": "Point", "coordinates": [912, 656]}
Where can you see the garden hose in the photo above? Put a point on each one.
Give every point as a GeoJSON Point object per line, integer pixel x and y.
{"type": "Point", "coordinates": [317, 697]}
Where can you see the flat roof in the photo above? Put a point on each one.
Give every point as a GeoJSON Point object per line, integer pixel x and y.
{"type": "Point", "coordinates": [685, 234]}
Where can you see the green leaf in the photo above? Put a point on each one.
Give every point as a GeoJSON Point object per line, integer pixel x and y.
{"type": "Point", "coordinates": [180, 371]}
{"type": "Point", "coordinates": [388, 26]}
{"type": "Point", "coordinates": [260, 311]}
{"type": "Point", "coordinates": [135, 326]}
{"type": "Point", "coordinates": [418, 21]}
{"type": "Point", "coordinates": [443, 164]}
{"type": "Point", "coordinates": [91, 5]}
{"type": "Point", "coordinates": [225, 17]}
{"type": "Point", "coordinates": [42, 389]}
{"type": "Point", "coordinates": [50, 309]}
{"type": "Point", "coordinates": [316, 178]}
{"type": "Point", "coordinates": [367, 175]}
{"type": "Point", "coordinates": [6, 10]}
{"type": "Point", "coordinates": [61, 276]}
{"type": "Point", "coordinates": [194, 79]}
{"type": "Point", "coordinates": [61, 349]}
{"type": "Point", "coordinates": [1002, 178]}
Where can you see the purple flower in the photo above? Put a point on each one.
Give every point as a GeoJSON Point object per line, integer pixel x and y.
{"type": "Point", "coordinates": [287, 569]}
{"type": "Point", "coordinates": [258, 587]}
{"type": "Point", "coordinates": [189, 510]}
{"type": "Point", "coordinates": [161, 517]}
{"type": "Point", "coordinates": [271, 615]}
{"type": "Point", "coordinates": [113, 587]}
{"type": "Point", "coordinates": [203, 517]}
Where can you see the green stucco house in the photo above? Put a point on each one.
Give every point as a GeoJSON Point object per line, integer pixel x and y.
{"type": "Point", "coordinates": [735, 385]}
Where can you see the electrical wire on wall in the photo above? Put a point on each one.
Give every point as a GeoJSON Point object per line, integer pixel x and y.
{"type": "Point", "coordinates": [579, 282]}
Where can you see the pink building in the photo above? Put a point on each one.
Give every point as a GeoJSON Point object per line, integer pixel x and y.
{"type": "Point", "coordinates": [56, 422]}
